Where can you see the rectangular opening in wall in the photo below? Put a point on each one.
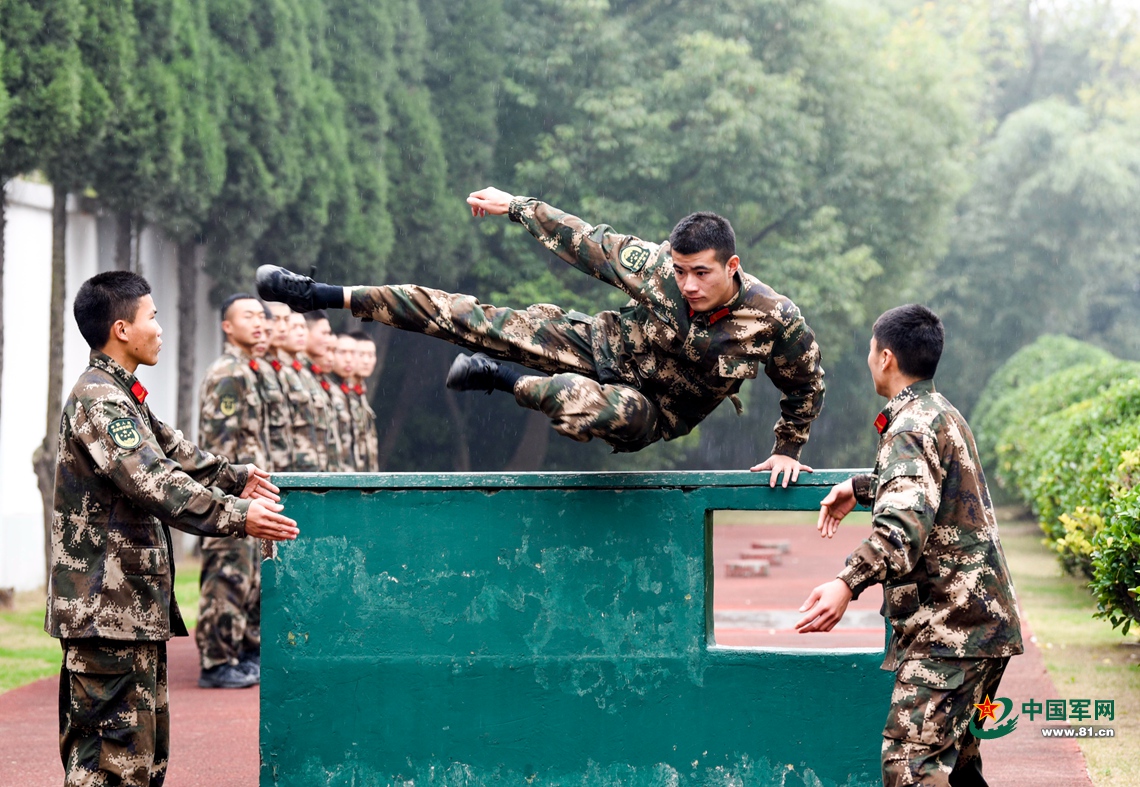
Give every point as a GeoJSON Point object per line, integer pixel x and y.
{"type": "Point", "coordinates": [764, 566]}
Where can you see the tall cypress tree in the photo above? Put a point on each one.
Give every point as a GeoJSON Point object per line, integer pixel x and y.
{"type": "Point", "coordinates": [360, 41]}
{"type": "Point", "coordinates": [257, 68]}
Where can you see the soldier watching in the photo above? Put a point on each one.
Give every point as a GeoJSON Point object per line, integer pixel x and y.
{"type": "Point", "coordinates": [346, 404]}
{"type": "Point", "coordinates": [123, 478]}
{"type": "Point", "coordinates": [232, 423]}
{"type": "Point", "coordinates": [366, 429]}
{"type": "Point", "coordinates": [317, 344]}
{"type": "Point", "coordinates": [279, 418]}
{"type": "Point", "coordinates": [697, 327]}
{"type": "Point", "coordinates": [289, 343]}
{"type": "Point", "coordinates": [934, 546]}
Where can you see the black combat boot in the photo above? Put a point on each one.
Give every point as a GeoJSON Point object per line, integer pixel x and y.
{"type": "Point", "coordinates": [227, 676]}
{"type": "Point", "coordinates": [299, 293]}
{"type": "Point", "coordinates": [474, 373]}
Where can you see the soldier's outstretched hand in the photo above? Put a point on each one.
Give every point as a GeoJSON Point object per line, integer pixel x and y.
{"type": "Point", "coordinates": [258, 486]}
{"type": "Point", "coordinates": [265, 520]}
{"type": "Point", "coordinates": [824, 607]}
{"type": "Point", "coordinates": [489, 201]}
{"type": "Point", "coordinates": [840, 501]}
{"type": "Point", "coordinates": [778, 463]}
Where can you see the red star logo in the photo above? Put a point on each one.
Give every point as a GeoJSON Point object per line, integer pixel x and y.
{"type": "Point", "coordinates": [986, 709]}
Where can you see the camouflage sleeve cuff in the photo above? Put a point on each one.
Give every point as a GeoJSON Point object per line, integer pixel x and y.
{"type": "Point", "coordinates": [857, 577]}
{"type": "Point", "coordinates": [515, 211]}
{"type": "Point", "coordinates": [788, 448]}
{"type": "Point", "coordinates": [238, 512]}
{"type": "Point", "coordinates": [241, 478]}
{"type": "Point", "coordinates": [865, 486]}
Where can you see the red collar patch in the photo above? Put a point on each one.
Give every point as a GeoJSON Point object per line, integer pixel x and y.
{"type": "Point", "coordinates": [296, 366]}
{"type": "Point", "coordinates": [881, 423]}
{"type": "Point", "coordinates": [358, 389]}
{"type": "Point", "coordinates": [276, 364]}
{"type": "Point", "coordinates": [316, 369]}
{"type": "Point", "coordinates": [344, 388]}
{"type": "Point", "coordinates": [139, 392]}
{"type": "Point", "coordinates": [325, 385]}
{"type": "Point", "coordinates": [253, 364]}
{"type": "Point", "coordinates": [719, 314]}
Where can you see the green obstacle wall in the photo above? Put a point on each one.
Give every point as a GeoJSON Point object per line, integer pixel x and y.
{"type": "Point", "coordinates": [539, 629]}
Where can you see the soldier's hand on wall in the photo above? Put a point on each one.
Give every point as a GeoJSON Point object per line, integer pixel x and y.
{"type": "Point", "coordinates": [489, 201]}
{"type": "Point", "coordinates": [840, 501]}
{"type": "Point", "coordinates": [265, 520]}
{"type": "Point", "coordinates": [778, 463]}
{"type": "Point", "coordinates": [258, 486]}
{"type": "Point", "coordinates": [825, 607]}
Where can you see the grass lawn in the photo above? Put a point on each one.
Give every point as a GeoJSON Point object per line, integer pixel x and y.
{"type": "Point", "coordinates": [28, 654]}
{"type": "Point", "coordinates": [1085, 657]}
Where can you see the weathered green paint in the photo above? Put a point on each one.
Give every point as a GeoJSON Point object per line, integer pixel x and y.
{"type": "Point", "coordinates": [539, 629]}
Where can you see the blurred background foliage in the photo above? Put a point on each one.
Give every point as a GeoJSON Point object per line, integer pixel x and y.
{"type": "Point", "coordinates": [982, 156]}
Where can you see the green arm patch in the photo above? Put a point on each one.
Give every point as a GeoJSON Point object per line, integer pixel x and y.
{"type": "Point", "coordinates": [124, 433]}
{"type": "Point", "coordinates": [634, 257]}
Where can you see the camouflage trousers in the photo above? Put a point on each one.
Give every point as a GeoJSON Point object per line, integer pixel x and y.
{"type": "Point", "coordinates": [542, 337]}
{"type": "Point", "coordinates": [229, 607]}
{"type": "Point", "coordinates": [114, 716]}
{"type": "Point", "coordinates": [926, 739]}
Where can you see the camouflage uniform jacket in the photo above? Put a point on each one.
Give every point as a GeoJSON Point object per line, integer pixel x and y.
{"type": "Point", "coordinates": [339, 395]}
{"type": "Point", "coordinates": [686, 362]}
{"type": "Point", "coordinates": [324, 419]}
{"type": "Point", "coordinates": [278, 416]}
{"type": "Point", "coordinates": [123, 477]}
{"type": "Point", "coordinates": [305, 457]}
{"type": "Point", "coordinates": [364, 425]}
{"type": "Point", "coordinates": [934, 542]}
{"type": "Point", "coordinates": [231, 415]}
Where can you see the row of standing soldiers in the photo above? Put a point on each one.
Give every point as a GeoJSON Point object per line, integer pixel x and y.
{"type": "Point", "coordinates": [286, 395]}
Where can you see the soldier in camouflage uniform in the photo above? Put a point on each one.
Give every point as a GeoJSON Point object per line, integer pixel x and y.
{"type": "Point", "coordinates": [934, 546]}
{"type": "Point", "coordinates": [307, 452]}
{"type": "Point", "coordinates": [232, 423]}
{"type": "Point", "coordinates": [696, 328]}
{"type": "Point", "coordinates": [366, 426]}
{"type": "Point", "coordinates": [312, 373]}
{"type": "Point", "coordinates": [278, 418]}
{"type": "Point", "coordinates": [346, 403]}
{"type": "Point", "coordinates": [123, 478]}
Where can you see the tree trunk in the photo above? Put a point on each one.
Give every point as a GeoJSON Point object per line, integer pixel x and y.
{"type": "Point", "coordinates": [410, 390]}
{"type": "Point", "coordinates": [531, 450]}
{"type": "Point", "coordinates": [462, 446]}
{"type": "Point", "coordinates": [44, 457]}
{"type": "Point", "coordinates": [187, 332]}
{"type": "Point", "coordinates": [123, 241]}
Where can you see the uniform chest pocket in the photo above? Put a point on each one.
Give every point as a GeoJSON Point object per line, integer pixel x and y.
{"type": "Point", "coordinates": [737, 368]}
{"type": "Point", "coordinates": [143, 560]}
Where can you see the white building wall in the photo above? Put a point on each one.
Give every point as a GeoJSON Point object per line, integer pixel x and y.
{"type": "Point", "coordinates": [27, 297]}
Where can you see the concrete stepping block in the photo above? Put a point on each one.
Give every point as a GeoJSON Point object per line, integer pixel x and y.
{"type": "Point", "coordinates": [746, 568]}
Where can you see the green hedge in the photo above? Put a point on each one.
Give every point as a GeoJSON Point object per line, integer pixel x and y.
{"type": "Point", "coordinates": [1067, 443]}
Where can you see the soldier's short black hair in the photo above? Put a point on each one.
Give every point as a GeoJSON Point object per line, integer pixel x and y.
{"type": "Point", "coordinates": [704, 230]}
{"type": "Point", "coordinates": [915, 335]}
{"type": "Point", "coordinates": [230, 301]}
{"type": "Point", "coordinates": [316, 316]}
{"type": "Point", "coordinates": [362, 336]}
{"type": "Point", "coordinates": [103, 300]}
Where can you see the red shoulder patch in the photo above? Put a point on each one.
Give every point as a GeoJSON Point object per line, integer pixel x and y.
{"type": "Point", "coordinates": [881, 423]}
{"type": "Point", "coordinates": [139, 392]}
{"type": "Point", "coordinates": [719, 314]}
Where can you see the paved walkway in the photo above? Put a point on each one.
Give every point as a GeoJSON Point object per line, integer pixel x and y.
{"type": "Point", "coordinates": [215, 732]}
